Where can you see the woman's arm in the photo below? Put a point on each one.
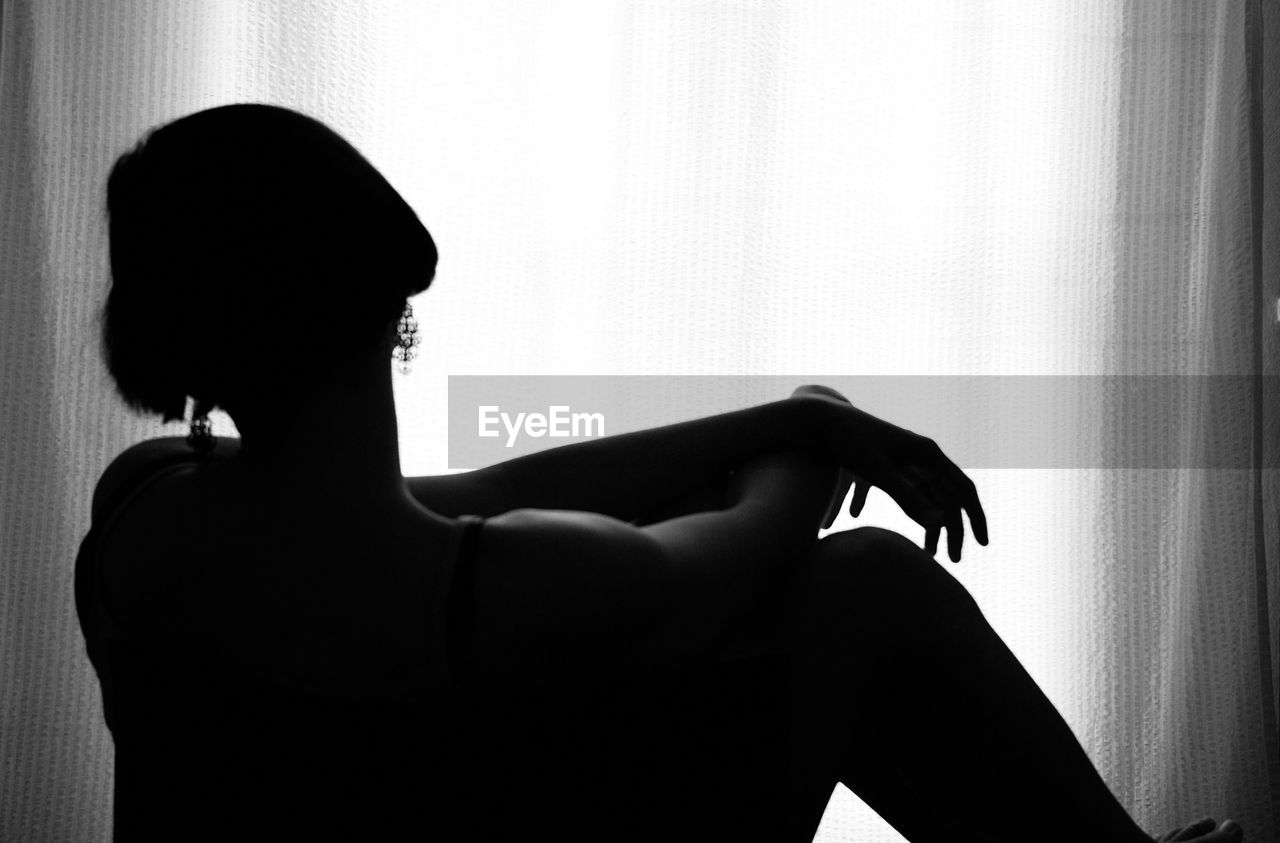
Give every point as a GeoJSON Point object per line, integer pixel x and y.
{"type": "Point", "coordinates": [641, 477]}
{"type": "Point", "coordinates": [630, 476]}
{"type": "Point", "coordinates": [793, 488]}
{"type": "Point", "coordinates": [574, 592]}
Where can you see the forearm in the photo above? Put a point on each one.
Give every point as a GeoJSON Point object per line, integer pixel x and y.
{"type": "Point", "coordinates": [790, 490]}
{"type": "Point", "coordinates": [637, 476]}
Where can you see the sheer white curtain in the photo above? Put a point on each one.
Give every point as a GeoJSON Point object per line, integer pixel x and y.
{"type": "Point", "coordinates": [817, 189]}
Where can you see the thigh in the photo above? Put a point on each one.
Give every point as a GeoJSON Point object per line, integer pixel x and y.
{"type": "Point", "coordinates": [857, 581]}
{"type": "Point", "coordinates": [699, 751]}
{"type": "Point", "coordinates": [760, 734]}
{"type": "Point", "coordinates": [828, 619]}
{"type": "Point", "coordinates": [786, 622]}
{"type": "Point", "coordinates": [703, 750]}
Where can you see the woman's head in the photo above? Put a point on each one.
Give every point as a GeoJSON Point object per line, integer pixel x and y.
{"type": "Point", "coordinates": [252, 251]}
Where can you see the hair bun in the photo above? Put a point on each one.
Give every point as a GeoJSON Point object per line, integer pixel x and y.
{"type": "Point", "coordinates": [252, 249]}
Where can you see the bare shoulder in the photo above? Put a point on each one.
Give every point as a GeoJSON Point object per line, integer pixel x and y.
{"type": "Point", "coordinates": [134, 462]}
{"type": "Point", "coordinates": [128, 467]}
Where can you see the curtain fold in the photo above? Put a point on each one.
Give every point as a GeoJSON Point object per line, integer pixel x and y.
{"type": "Point", "coordinates": [1082, 188]}
{"type": "Point", "coordinates": [1189, 554]}
{"type": "Point", "coordinates": [1263, 70]}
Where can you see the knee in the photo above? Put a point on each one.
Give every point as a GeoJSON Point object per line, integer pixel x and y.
{"type": "Point", "coordinates": [884, 574]}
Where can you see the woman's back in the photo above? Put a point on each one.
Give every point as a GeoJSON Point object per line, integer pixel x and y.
{"type": "Point", "coordinates": [269, 669]}
{"type": "Point", "coordinates": [237, 673]}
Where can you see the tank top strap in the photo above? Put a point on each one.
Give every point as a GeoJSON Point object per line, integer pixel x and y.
{"type": "Point", "coordinates": [454, 615]}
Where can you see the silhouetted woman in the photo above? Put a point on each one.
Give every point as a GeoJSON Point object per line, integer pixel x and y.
{"type": "Point", "coordinates": [637, 637]}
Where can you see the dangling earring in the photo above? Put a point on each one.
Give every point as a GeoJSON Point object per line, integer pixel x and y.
{"type": "Point", "coordinates": [407, 342]}
{"type": "Point", "coordinates": [201, 436]}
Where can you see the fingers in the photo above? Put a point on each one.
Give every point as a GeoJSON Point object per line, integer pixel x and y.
{"type": "Point", "coordinates": [910, 493]}
{"type": "Point", "coordinates": [977, 518]}
{"type": "Point", "coordinates": [955, 534]}
{"type": "Point", "coordinates": [958, 500]}
{"type": "Point", "coordinates": [934, 492]}
{"type": "Point", "coordinates": [949, 519]}
{"type": "Point", "coordinates": [931, 540]}
{"type": "Point", "coordinates": [960, 489]}
{"type": "Point", "coordinates": [860, 489]}
{"type": "Point", "coordinates": [940, 510]}
{"type": "Point", "coordinates": [921, 502]}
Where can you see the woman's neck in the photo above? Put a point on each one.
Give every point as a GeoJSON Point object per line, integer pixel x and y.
{"type": "Point", "coordinates": [337, 440]}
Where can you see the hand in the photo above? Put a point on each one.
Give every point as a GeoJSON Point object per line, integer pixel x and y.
{"type": "Point", "coordinates": [910, 468]}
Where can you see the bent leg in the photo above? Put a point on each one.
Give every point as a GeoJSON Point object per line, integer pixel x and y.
{"type": "Point", "coordinates": [831, 719]}
{"type": "Point", "coordinates": [907, 695]}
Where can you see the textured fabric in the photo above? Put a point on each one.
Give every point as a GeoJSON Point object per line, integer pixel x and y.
{"type": "Point", "coordinates": [1077, 187]}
